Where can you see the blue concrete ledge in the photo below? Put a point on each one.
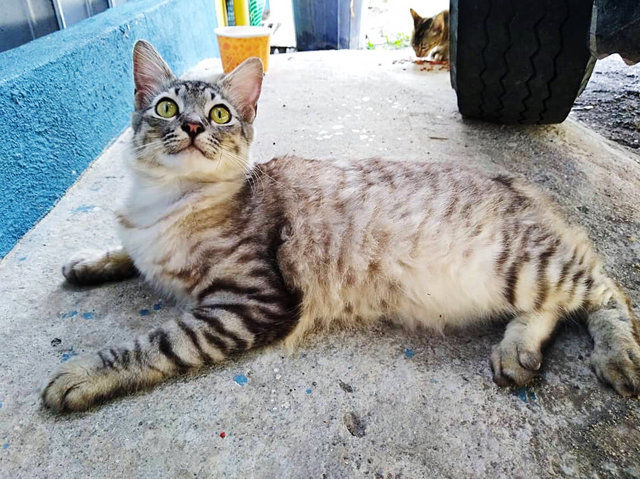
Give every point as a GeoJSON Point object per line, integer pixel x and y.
{"type": "Point", "coordinates": [63, 97]}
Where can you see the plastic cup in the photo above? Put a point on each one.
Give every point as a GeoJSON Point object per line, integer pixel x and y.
{"type": "Point", "coordinates": [239, 43]}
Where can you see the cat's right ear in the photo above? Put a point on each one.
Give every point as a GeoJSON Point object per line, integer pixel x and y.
{"type": "Point", "coordinates": [438, 24]}
{"type": "Point", "coordinates": [150, 73]}
{"type": "Point", "coordinates": [416, 17]}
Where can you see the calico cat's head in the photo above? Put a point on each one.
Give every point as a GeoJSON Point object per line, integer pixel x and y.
{"type": "Point", "coordinates": [199, 130]}
{"type": "Point", "coordinates": [427, 33]}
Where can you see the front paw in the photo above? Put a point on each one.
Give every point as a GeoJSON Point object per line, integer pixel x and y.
{"type": "Point", "coordinates": [618, 364]}
{"type": "Point", "coordinates": [84, 267]}
{"type": "Point", "coordinates": [74, 387]}
{"type": "Point", "coordinates": [513, 363]}
{"type": "Point", "coordinates": [91, 267]}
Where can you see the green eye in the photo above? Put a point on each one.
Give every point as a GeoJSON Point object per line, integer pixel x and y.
{"type": "Point", "coordinates": [167, 108]}
{"type": "Point", "coordinates": [220, 114]}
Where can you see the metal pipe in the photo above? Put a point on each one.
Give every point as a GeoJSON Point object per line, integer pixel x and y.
{"type": "Point", "coordinates": [57, 7]}
{"type": "Point", "coordinates": [88, 8]}
{"type": "Point", "coordinates": [31, 19]}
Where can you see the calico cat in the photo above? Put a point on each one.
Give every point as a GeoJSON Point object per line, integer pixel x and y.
{"type": "Point", "coordinates": [430, 36]}
{"type": "Point", "coordinates": [260, 254]}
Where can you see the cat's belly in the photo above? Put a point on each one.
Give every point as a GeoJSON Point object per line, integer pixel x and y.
{"type": "Point", "coordinates": [430, 296]}
{"type": "Point", "coordinates": [442, 284]}
{"type": "Point", "coordinates": [448, 294]}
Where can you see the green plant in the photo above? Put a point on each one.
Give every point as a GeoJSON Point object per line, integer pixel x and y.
{"type": "Point", "coordinates": [401, 40]}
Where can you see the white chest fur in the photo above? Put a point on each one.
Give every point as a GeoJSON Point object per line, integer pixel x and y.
{"type": "Point", "coordinates": [149, 233]}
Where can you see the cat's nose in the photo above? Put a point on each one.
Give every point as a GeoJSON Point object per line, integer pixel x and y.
{"type": "Point", "coordinates": [192, 129]}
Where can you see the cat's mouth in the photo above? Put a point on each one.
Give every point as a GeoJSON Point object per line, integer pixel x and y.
{"type": "Point", "coordinates": [189, 147]}
{"type": "Point", "coordinates": [193, 148]}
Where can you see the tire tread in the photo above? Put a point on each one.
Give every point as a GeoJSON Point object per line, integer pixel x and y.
{"type": "Point", "coordinates": [523, 62]}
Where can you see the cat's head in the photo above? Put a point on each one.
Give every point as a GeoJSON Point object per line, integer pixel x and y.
{"type": "Point", "coordinates": [198, 130]}
{"type": "Point", "coordinates": [427, 33]}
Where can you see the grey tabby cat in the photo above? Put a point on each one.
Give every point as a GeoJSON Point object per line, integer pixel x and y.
{"type": "Point", "coordinates": [430, 36]}
{"type": "Point", "coordinates": [259, 254]}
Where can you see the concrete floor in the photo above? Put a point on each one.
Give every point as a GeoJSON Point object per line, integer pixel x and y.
{"type": "Point", "coordinates": [381, 403]}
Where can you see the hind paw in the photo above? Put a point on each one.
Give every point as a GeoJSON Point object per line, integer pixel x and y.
{"type": "Point", "coordinates": [619, 367]}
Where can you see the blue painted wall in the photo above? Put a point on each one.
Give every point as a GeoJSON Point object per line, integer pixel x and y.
{"type": "Point", "coordinates": [65, 96]}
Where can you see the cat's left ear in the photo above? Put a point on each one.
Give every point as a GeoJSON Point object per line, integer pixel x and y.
{"type": "Point", "coordinates": [243, 85]}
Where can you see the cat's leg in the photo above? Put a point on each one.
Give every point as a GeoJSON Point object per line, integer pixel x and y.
{"type": "Point", "coordinates": [615, 330]}
{"type": "Point", "coordinates": [613, 326]}
{"type": "Point", "coordinates": [436, 54]}
{"type": "Point", "coordinates": [205, 336]}
{"type": "Point", "coordinates": [518, 357]}
{"type": "Point", "coordinates": [444, 53]}
{"type": "Point", "coordinates": [90, 267]}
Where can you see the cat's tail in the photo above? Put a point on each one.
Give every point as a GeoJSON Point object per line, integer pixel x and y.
{"type": "Point", "coordinates": [204, 336]}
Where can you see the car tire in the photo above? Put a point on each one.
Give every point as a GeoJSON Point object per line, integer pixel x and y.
{"type": "Point", "coordinates": [515, 61]}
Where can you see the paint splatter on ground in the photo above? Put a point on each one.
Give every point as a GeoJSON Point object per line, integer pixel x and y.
{"type": "Point", "coordinates": [89, 315]}
{"type": "Point", "coordinates": [223, 434]}
{"type": "Point", "coordinates": [22, 259]}
{"type": "Point", "coordinates": [5, 446]}
{"type": "Point", "coordinates": [144, 312]}
{"type": "Point", "coordinates": [70, 314]}
{"type": "Point", "coordinates": [526, 395]}
{"type": "Point", "coordinates": [308, 391]}
{"type": "Point", "coordinates": [241, 379]}
{"type": "Point", "coordinates": [83, 209]}
{"type": "Point", "coordinates": [157, 306]}
{"type": "Point", "coordinates": [409, 353]}
{"type": "Point", "coordinates": [66, 356]}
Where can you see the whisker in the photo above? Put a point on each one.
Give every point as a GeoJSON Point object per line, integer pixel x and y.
{"type": "Point", "coordinates": [249, 174]}
{"type": "Point", "coordinates": [254, 173]}
{"type": "Point", "coordinates": [254, 167]}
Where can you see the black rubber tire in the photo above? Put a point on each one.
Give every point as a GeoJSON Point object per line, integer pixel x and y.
{"type": "Point", "coordinates": [519, 61]}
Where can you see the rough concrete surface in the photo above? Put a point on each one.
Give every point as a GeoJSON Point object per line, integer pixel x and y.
{"type": "Point", "coordinates": [382, 403]}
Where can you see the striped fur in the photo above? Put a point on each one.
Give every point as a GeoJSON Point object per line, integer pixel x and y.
{"type": "Point", "coordinates": [260, 254]}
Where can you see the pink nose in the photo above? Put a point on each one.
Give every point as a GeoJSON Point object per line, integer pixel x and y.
{"type": "Point", "coordinates": [192, 129]}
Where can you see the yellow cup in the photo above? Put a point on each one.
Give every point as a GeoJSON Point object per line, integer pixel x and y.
{"type": "Point", "coordinates": [239, 43]}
